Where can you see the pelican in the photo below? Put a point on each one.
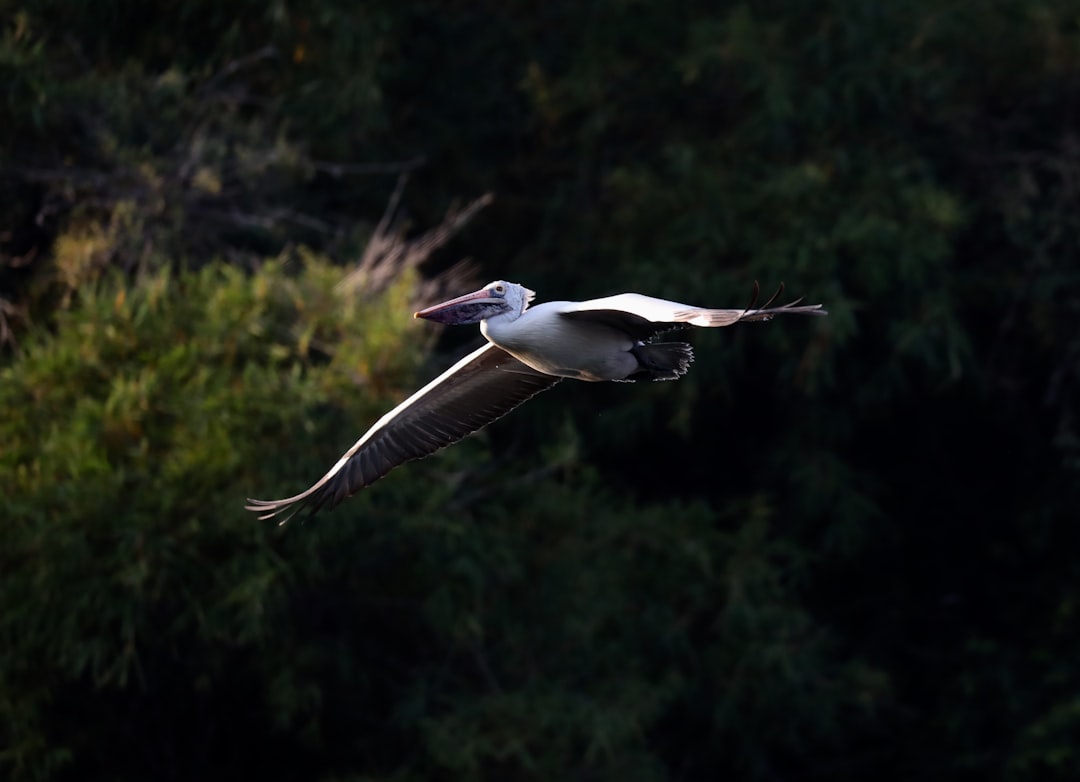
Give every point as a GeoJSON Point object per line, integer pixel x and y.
{"type": "Point", "coordinates": [528, 350]}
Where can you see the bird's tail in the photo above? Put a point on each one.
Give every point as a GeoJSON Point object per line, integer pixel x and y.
{"type": "Point", "coordinates": [661, 360]}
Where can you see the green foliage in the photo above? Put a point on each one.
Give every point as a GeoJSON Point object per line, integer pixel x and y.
{"type": "Point", "coordinates": [135, 151]}
{"type": "Point", "coordinates": [843, 549]}
{"type": "Point", "coordinates": [133, 426]}
{"type": "Point", "coordinates": [718, 626]}
{"type": "Point", "coordinates": [127, 558]}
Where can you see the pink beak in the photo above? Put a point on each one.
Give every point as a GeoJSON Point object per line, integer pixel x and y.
{"type": "Point", "coordinates": [457, 310]}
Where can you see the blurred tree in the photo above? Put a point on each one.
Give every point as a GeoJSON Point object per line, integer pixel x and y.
{"type": "Point", "coordinates": [840, 551]}
{"type": "Point", "coordinates": [490, 630]}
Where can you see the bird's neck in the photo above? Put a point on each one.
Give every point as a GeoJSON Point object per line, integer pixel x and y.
{"type": "Point", "coordinates": [499, 325]}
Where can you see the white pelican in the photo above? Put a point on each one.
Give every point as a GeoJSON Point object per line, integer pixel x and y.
{"type": "Point", "coordinates": [528, 350]}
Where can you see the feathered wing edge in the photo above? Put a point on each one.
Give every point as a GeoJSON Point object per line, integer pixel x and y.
{"type": "Point", "coordinates": [642, 317]}
{"type": "Point", "coordinates": [767, 311]}
{"type": "Point", "coordinates": [478, 389]}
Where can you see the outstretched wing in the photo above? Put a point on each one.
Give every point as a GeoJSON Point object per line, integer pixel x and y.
{"type": "Point", "coordinates": [483, 386]}
{"type": "Point", "coordinates": [643, 316]}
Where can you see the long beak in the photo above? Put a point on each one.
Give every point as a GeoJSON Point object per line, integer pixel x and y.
{"type": "Point", "coordinates": [482, 296]}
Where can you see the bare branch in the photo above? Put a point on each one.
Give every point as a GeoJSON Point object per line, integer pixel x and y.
{"type": "Point", "coordinates": [265, 53]}
{"type": "Point", "coordinates": [9, 313]}
{"type": "Point", "coordinates": [388, 254]}
{"type": "Point", "coordinates": [338, 170]}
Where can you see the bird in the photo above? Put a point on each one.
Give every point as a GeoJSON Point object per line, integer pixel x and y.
{"type": "Point", "coordinates": [528, 349]}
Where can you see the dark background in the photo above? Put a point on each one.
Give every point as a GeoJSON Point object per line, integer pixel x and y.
{"type": "Point", "coordinates": [838, 549]}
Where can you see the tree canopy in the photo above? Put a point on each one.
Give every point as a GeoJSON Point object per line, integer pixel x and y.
{"type": "Point", "coordinates": [843, 548]}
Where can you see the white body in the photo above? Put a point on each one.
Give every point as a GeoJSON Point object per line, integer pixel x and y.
{"type": "Point", "coordinates": [541, 338]}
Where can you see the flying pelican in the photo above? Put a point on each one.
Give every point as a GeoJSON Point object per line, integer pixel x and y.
{"type": "Point", "coordinates": [528, 350]}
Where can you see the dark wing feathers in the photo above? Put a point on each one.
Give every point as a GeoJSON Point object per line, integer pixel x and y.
{"type": "Point", "coordinates": [483, 386]}
{"type": "Point", "coordinates": [634, 326]}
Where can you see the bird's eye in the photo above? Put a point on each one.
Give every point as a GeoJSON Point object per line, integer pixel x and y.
{"type": "Point", "coordinates": [500, 289]}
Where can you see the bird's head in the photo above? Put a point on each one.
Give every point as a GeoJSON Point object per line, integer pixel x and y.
{"type": "Point", "coordinates": [495, 298]}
